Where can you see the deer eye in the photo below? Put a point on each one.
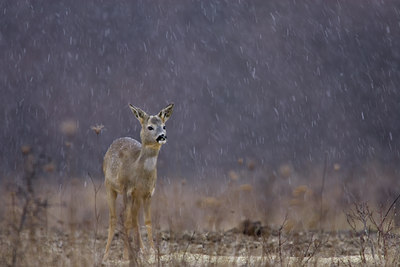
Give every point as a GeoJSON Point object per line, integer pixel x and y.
{"type": "Point", "coordinates": [150, 128]}
{"type": "Point", "coordinates": [163, 127]}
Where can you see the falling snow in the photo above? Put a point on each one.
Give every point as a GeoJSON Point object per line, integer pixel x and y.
{"type": "Point", "coordinates": [284, 81]}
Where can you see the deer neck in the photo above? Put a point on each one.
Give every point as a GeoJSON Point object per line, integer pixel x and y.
{"type": "Point", "coordinates": [148, 157]}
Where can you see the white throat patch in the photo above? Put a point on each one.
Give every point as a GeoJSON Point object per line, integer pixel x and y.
{"type": "Point", "coordinates": [150, 163]}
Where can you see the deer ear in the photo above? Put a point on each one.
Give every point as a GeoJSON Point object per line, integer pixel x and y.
{"type": "Point", "coordinates": [139, 114]}
{"type": "Point", "coordinates": [166, 112]}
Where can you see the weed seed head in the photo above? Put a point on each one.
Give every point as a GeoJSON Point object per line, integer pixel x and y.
{"type": "Point", "coordinates": [98, 128]}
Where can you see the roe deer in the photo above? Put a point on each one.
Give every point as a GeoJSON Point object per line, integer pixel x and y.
{"type": "Point", "coordinates": [130, 168]}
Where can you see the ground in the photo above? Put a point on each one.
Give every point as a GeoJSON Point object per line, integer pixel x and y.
{"type": "Point", "coordinates": [232, 247]}
{"type": "Point", "coordinates": [63, 224]}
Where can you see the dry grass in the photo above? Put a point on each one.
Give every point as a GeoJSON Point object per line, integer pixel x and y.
{"type": "Point", "coordinates": [252, 217]}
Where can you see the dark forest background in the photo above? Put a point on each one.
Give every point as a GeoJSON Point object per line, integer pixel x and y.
{"type": "Point", "coordinates": [270, 82]}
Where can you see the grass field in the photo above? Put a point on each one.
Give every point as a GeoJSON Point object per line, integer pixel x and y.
{"type": "Point", "coordinates": [238, 221]}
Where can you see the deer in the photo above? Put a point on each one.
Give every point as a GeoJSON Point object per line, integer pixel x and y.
{"type": "Point", "coordinates": [130, 169]}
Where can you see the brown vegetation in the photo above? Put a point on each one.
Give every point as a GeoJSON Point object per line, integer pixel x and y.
{"type": "Point", "coordinates": [46, 223]}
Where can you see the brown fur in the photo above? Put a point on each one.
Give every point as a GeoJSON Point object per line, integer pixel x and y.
{"type": "Point", "coordinates": [130, 168]}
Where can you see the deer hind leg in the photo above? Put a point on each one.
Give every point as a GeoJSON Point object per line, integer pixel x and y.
{"type": "Point", "coordinates": [127, 225]}
{"type": "Point", "coordinates": [111, 197]}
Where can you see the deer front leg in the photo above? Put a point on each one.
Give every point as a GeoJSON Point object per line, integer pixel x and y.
{"type": "Point", "coordinates": [147, 220]}
{"type": "Point", "coordinates": [135, 222]}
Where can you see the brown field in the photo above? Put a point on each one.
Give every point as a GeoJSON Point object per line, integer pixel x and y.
{"type": "Point", "coordinates": [239, 220]}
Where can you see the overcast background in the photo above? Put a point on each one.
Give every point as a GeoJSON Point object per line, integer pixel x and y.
{"type": "Point", "coordinates": [272, 82]}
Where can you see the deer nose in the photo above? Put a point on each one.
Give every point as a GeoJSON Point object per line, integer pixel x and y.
{"type": "Point", "coordinates": [162, 138]}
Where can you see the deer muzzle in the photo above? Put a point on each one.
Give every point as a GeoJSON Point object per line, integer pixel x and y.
{"type": "Point", "coordinates": [162, 139]}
